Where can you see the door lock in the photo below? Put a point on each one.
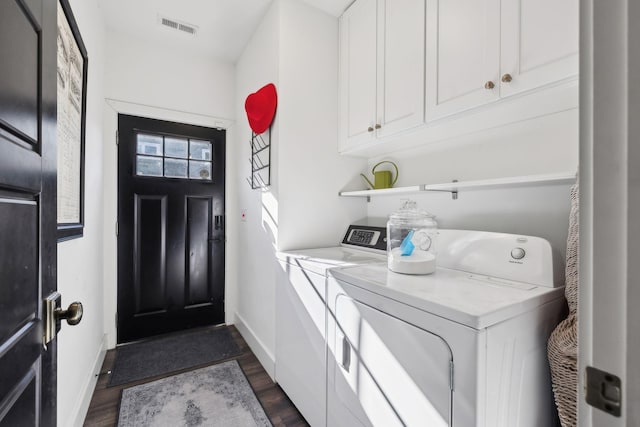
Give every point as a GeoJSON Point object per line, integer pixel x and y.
{"type": "Point", "coordinates": [54, 314]}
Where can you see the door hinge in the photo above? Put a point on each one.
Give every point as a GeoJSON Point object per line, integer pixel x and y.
{"type": "Point", "coordinates": [117, 137]}
{"type": "Point", "coordinates": [117, 228]}
{"type": "Point", "coordinates": [451, 375]}
{"type": "Point", "coordinates": [116, 320]}
{"type": "Point", "coordinates": [604, 391]}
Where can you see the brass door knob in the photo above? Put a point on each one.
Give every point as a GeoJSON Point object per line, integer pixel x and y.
{"type": "Point", "coordinates": [507, 78]}
{"type": "Point", "coordinates": [489, 85]}
{"type": "Point", "coordinates": [378, 126]}
{"type": "Point", "coordinates": [370, 129]}
{"type": "Point", "coordinates": [73, 314]}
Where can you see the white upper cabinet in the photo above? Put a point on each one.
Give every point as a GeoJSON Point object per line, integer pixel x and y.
{"type": "Point", "coordinates": [414, 72]}
{"type": "Point", "coordinates": [463, 55]}
{"type": "Point", "coordinates": [479, 51]}
{"type": "Point", "coordinates": [539, 43]}
{"type": "Point", "coordinates": [381, 69]}
{"type": "Point", "coordinates": [400, 65]}
{"type": "Point", "coordinates": [357, 74]}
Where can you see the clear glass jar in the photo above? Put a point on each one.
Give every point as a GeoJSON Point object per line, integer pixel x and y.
{"type": "Point", "coordinates": [411, 240]}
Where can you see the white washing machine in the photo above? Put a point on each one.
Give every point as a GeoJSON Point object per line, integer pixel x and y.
{"type": "Point", "coordinates": [465, 346]}
{"type": "Point", "coordinates": [301, 313]}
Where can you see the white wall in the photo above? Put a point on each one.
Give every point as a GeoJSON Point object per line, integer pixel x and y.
{"type": "Point", "coordinates": [152, 75]}
{"type": "Point", "coordinates": [295, 47]}
{"type": "Point", "coordinates": [544, 145]}
{"type": "Point", "coordinates": [256, 238]}
{"type": "Point", "coordinates": [148, 80]}
{"type": "Point", "coordinates": [81, 348]}
{"type": "Point", "coordinates": [311, 171]}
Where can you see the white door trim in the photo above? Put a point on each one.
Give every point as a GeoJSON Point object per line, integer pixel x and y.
{"type": "Point", "coordinates": [609, 203]}
{"type": "Point", "coordinates": [112, 108]}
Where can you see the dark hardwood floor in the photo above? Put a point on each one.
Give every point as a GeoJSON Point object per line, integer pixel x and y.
{"type": "Point", "coordinates": [103, 410]}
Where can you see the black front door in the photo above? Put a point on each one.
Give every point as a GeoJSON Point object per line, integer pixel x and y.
{"type": "Point", "coordinates": [170, 227]}
{"type": "Point", "coordinates": [27, 210]}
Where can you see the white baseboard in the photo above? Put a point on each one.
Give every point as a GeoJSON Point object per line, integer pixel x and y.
{"type": "Point", "coordinates": [82, 405]}
{"type": "Point", "coordinates": [265, 357]}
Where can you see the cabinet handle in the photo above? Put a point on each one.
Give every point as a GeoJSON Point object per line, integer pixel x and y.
{"type": "Point", "coordinates": [507, 78]}
{"type": "Point", "coordinates": [369, 129]}
{"type": "Point", "coordinates": [378, 126]}
{"type": "Point", "coordinates": [489, 85]}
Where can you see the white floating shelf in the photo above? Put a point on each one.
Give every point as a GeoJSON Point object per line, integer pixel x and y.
{"type": "Point", "coordinates": [383, 192]}
{"type": "Point", "coordinates": [454, 187]}
{"type": "Point", "coordinates": [515, 181]}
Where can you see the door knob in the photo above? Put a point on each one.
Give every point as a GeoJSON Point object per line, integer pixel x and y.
{"type": "Point", "coordinates": [53, 315]}
{"type": "Point", "coordinates": [489, 85]}
{"type": "Point", "coordinates": [73, 314]}
{"type": "Point", "coordinates": [370, 129]}
{"type": "Point", "coordinates": [507, 78]}
{"type": "Point", "coordinates": [378, 126]}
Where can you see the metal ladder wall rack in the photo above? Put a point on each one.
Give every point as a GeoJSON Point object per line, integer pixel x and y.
{"type": "Point", "coordinates": [260, 160]}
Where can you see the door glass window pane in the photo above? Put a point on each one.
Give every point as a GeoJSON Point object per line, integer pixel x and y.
{"type": "Point", "coordinates": [148, 166]}
{"type": "Point", "coordinates": [174, 168]}
{"type": "Point", "coordinates": [176, 147]}
{"type": "Point", "coordinates": [200, 150]}
{"type": "Point", "coordinates": [199, 170]}
{"type": "Point", "coordinates": [150, 145]}
{"type": "Point", "coordinates": [162, 156]}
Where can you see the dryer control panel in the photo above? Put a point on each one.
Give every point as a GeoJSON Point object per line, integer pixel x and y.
{"type": "Point", "coordinates": [526, 259]}
{"type": "Point", "coordinates": [366, 237]}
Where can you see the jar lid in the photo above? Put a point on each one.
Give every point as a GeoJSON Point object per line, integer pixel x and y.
{"type": "Point", "coordinates": [410, 210]}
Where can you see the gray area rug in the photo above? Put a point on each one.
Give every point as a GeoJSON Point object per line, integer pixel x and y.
{"type": "Point", "coordinates": [172, 353]}
{"type": "Point", "coordinates": [218, 395]}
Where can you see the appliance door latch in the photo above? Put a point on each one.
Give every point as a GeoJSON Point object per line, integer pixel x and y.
{"type": "Point", "coordinates": [604, 391]}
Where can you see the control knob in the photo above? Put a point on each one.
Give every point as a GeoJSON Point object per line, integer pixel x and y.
{"type": "Point", "coordinates": [518, 253]}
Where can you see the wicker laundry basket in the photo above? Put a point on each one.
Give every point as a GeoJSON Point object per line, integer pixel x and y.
{"type": "Point", "coordinates": [563, 344]}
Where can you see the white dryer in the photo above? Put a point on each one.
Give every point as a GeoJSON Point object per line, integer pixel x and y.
{"type": "Point", "coordinates": [301, 313]}
{"type": "Point", "coordinates": [463, 347]}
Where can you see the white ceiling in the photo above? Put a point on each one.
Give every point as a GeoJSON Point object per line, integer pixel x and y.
{"type": "Point", "coordinates": [332, 7]}
{"type": "Point", "coordinates": [224, 26]}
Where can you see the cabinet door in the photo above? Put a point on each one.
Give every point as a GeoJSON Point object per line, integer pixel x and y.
{"type": "Point", "coordinates": [401, 38]}
{"type": "Point", "coordinates": [300, 340]}
{"type": "Point", "coordinates": [357, 77]}
{"type": "Point", "coordinates": [539, 43]}
{"type": "Point", "coordinates": [463, 42]}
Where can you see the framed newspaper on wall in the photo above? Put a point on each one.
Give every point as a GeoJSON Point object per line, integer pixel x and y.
{"type": "Point", "coordinates": [70, 135]}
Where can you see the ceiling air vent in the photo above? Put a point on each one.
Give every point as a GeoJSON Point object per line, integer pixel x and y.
{"type": "Point", "coordinates": [178, 26]}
